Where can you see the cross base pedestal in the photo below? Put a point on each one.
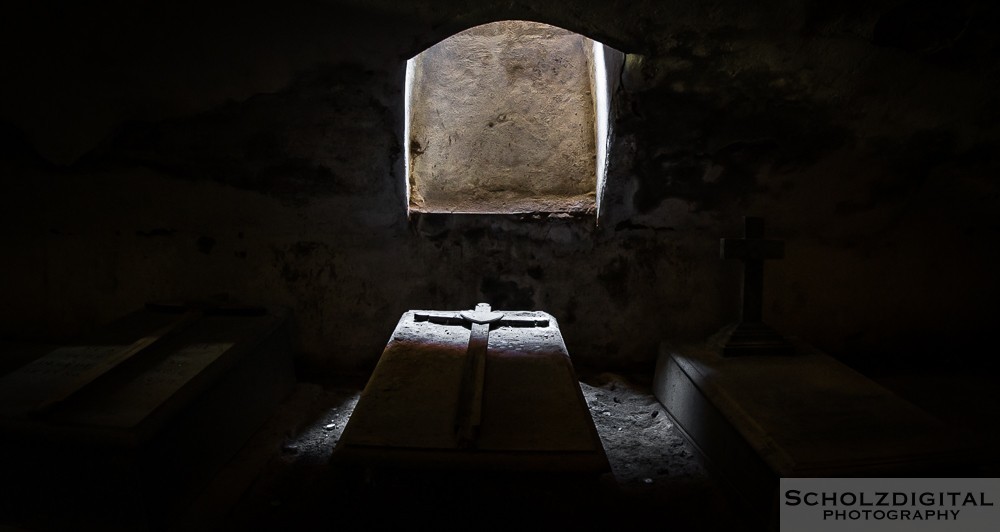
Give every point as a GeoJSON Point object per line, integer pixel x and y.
{"type": "Point", "coordinates": [753, 338]}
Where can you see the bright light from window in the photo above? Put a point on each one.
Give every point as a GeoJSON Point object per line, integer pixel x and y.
{"type": "Point", "coordinates": [507, 117]}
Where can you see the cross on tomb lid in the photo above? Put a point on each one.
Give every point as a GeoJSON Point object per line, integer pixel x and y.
{"type": "Point", "coordinates": [470, 403]}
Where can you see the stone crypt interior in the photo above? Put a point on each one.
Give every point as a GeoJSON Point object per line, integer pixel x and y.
{"type": "Point", "coordinates": [224, 221]}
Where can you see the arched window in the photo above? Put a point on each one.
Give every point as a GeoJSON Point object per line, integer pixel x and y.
{"type": "Point", "coordinates": [507, 117]}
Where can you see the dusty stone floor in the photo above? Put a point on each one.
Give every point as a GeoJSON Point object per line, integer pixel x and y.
{"type": "Point", "coordinates": [282, 479]}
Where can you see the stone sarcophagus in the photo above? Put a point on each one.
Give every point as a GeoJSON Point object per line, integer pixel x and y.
{"type": "Point", "coordinates": [757, 419]}
{"type": "Point", "coordinates": [476, 390]}
{"type": "Point", "coordinates": [120, 430]}
{"type": "Point", "coordinates": [761, 407]}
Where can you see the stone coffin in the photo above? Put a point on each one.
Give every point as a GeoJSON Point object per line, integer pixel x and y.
{"type": "Point", "coordinates": [534, 417]}
{"type": "Point", "coordinates": [131, 446]}
{"type": "Point", "coordinates": [757, 419]}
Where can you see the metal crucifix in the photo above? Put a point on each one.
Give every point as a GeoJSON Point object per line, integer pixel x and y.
{"type": "Point", "coordinates": [470, 400]}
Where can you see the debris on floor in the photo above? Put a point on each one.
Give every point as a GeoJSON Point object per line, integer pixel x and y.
{"type": "Point", "coordinates": [654, 468]}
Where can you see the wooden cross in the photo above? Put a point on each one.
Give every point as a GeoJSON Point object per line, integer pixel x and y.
{"type": "Point", "coordinates": [470, 400]}
{"type": "Point", "coordinates": [751, 335]}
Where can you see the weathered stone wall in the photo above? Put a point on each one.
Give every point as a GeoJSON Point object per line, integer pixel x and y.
{"type": "Point", "coordinates": [255, 154]}
{"type": "Point", "coordinates": [502, 120]}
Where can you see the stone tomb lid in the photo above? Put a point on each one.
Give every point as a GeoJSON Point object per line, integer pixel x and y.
{"type": "Point", "coordinates": [532, 403]}
{"type": "Point", "coordinates": [130, 402]}
{"type": "Point", "coordinates": [810, 415]}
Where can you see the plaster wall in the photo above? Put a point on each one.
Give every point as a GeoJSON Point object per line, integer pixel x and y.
{"type": "Point", "coordinates": [254, 153]}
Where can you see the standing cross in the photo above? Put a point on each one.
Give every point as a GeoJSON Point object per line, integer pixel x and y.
{"type": "Point", "coordinates": [751, 335]}
{"type": "Point", "coordinates": [470, 399]}
{"type": "Point", "coordinates": [752, 249]}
